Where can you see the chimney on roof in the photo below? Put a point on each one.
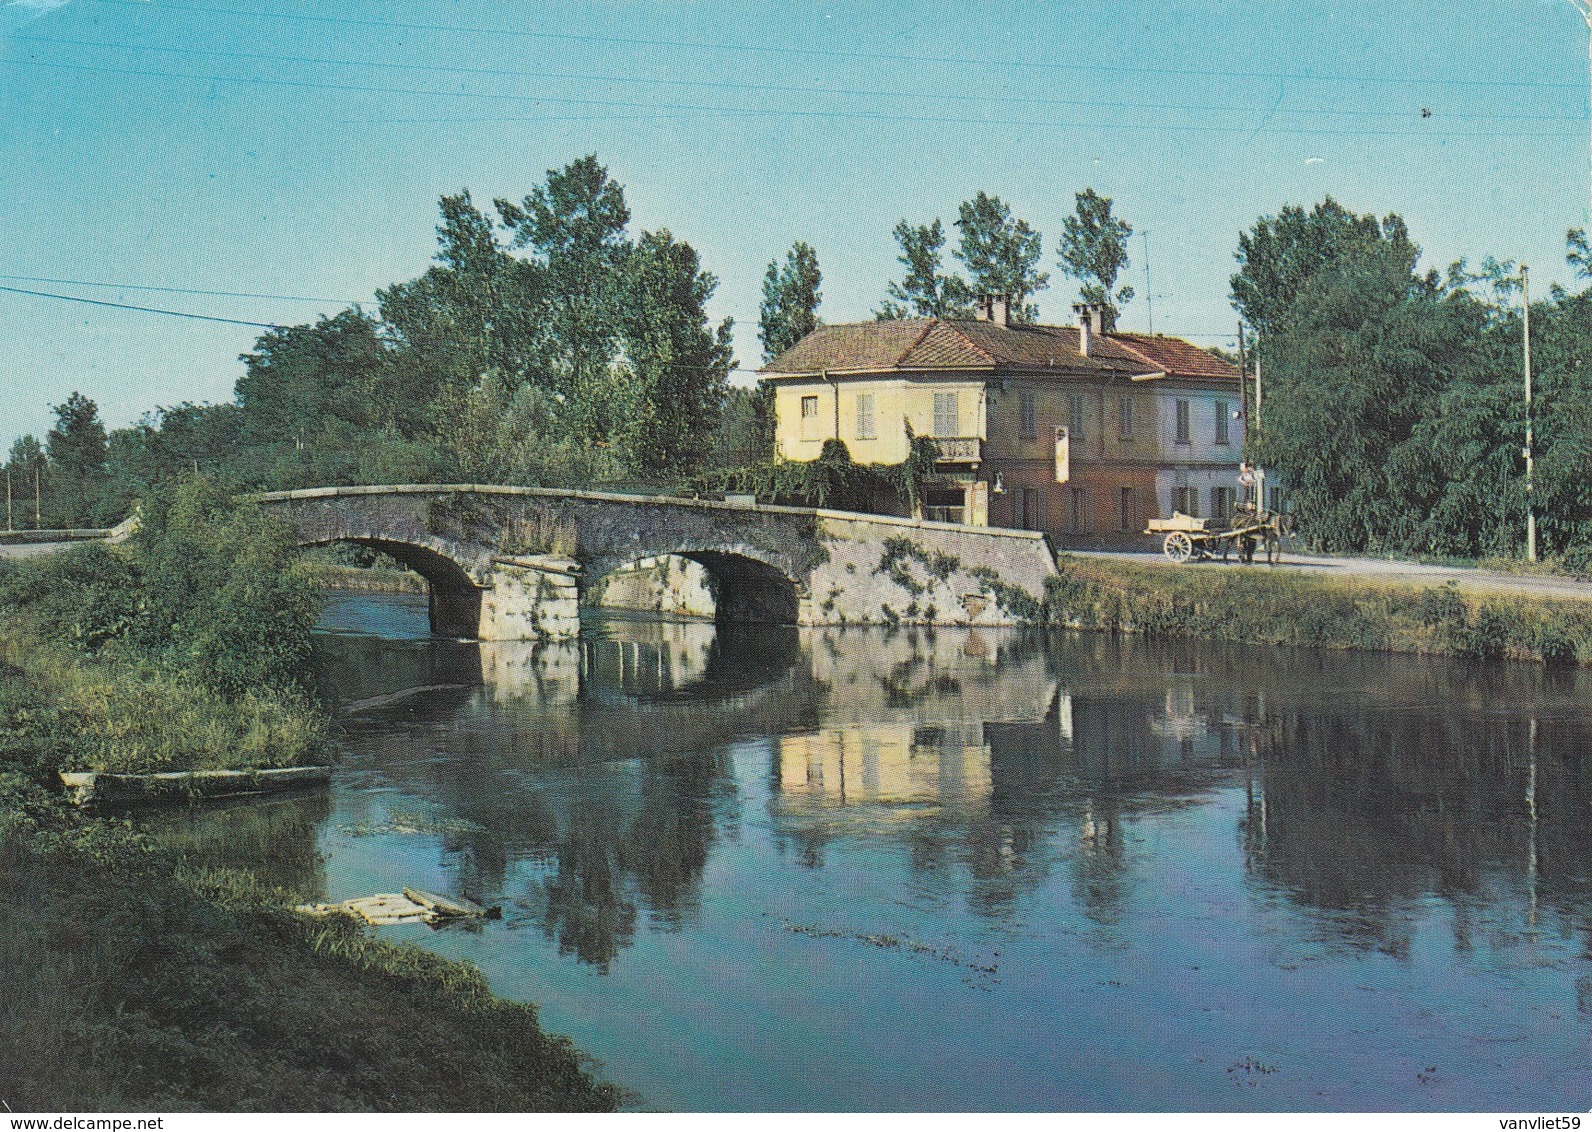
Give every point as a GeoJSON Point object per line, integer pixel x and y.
{"type": "Point", "coordinates": [994, 308]}
{"type": "Point", "coordinates": [1093, 322]}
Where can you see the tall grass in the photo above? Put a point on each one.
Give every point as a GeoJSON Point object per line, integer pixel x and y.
{"type": "Point", "coordinates": [1261, 607]}
{"type": "Point", "coordinates": [129, 716]}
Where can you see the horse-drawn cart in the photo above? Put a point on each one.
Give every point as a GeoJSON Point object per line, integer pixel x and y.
{"type": "Point", "coordinates": [1188, 537]}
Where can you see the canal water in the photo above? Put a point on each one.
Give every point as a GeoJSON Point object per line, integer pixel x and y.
{"type": "Point", "coordinates": [955, 869]}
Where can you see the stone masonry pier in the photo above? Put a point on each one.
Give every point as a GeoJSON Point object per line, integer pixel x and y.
{"type": "Point", "coordinates": [511, 563]}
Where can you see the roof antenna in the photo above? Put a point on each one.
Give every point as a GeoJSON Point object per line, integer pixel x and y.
{"type": "Point", "coordinates": [1149, 295]}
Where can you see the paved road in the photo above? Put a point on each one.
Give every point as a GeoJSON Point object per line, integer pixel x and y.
{"type": "Point", "coordinates": [1383, 570]}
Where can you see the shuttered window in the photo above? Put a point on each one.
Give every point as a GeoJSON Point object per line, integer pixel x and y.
{"type": "Point", "coordinates": [1028, 419]}
{"type": "Point", "coordinates": [809, 418]}
{"type": "Point", "coordinates": [1128, 510]}
{"type": "Point", "coordinates": [947, 418]}
{"type": "Point", "coordinates": [865, 416]}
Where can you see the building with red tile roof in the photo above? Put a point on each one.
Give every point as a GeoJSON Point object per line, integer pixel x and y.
{"type": "Point", "coordinates": [1078, 431]}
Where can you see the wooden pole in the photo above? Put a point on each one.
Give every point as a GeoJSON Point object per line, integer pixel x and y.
{"type": "Point", "coordinates": [38, 491]}
{"type": "Point", "coordinates": [1531, 508]}
{"type": "Point", "coordinates": [1243, 368]}
{"type": "Point", "coordinates": [1257, 388]}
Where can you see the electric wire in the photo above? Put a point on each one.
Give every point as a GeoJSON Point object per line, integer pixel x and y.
{"type": "Point", "coordinates": [175, 290]}
{"type": "Point", "coordinates": [783, 112]}
{"type": "Point", "coordinates": [774, 88]}
{"type": "Point", "coordinates": [818, 52]}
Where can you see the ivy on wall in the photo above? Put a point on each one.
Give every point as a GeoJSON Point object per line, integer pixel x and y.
{"type": "Point", "coordinates": [833, 480]}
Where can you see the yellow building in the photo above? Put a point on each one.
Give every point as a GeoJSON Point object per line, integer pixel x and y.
{"type": "Point", "coordinates": [1074, 430]}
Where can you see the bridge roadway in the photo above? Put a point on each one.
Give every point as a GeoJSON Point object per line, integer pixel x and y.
{"type": "Point", "coordinates": [510, 563]}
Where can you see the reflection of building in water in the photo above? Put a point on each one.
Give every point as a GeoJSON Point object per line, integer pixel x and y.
{"type": "Point", "coordinates": [887, 763]}
{"type": "Point", "coordinates": [945, 676]}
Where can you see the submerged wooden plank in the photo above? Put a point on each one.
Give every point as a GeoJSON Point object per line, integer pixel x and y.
{"type": "Point", "coordinates": [445, 905]}
{"type": "Point", "coordinates": [98, 786]}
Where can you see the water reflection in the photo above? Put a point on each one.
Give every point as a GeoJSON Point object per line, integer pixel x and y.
{"type": "Point", "coordinates": [591, 780]}
{"type": "Point", "coordinates": [656, 782]}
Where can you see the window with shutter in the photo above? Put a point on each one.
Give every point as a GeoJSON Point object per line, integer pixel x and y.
{"type": "Point", "coordinates": [947, 418]}
{"type": "Point", "coordinates": [865, 416]}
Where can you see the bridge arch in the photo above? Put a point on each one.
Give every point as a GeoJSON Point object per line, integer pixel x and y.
{"type": "Point", "coordinates": [453, 596]}
{"type": "Point", "coordinates": [746, 589]}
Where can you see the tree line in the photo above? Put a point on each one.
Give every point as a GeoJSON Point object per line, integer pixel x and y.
{"type": "Point", "coordinates": [1393, 397]}
{"type": "Point", "coordinates": [549, 345]}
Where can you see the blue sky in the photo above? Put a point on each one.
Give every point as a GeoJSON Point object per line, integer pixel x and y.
{"type": "Point", "coordinates": [283, 148]}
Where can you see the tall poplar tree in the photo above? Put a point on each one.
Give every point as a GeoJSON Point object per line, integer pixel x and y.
{"type": "Point", "coordinates": [1094, 251]}
{"type": "Point", "coordinates": [790, 300]}
{"type": "Point", "coordinates": [1001, 254]}
{"type": "Point", "coordinates": [925, 291]}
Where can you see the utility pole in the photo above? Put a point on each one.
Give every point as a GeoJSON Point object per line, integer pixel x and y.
{"type": "Point", "coordinates": [1243, 368]}
{"type": "Point", "coordinates": [38, 491]}
{"type": "Point", "coordinates": [1531, 509]}
{"type": "Point", "coordinates": [1257, 386]}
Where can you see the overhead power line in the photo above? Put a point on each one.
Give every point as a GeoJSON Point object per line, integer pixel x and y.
{"type": "Point", "coordinates": [833, 53]}
{"type": "Point", "coordinates": [145, 310]}
{"type": "Point", "coordinates": [176, 290]}
{"type": "Point", "coordinates": [245, 322]}
{"type": "Point", "coordinates": [774, 88]}
{"type": "Point", "coordinates": [750, 111]}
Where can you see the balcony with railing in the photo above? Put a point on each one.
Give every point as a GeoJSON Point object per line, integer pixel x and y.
{"type": "Point", "coordinates": [959, 449]}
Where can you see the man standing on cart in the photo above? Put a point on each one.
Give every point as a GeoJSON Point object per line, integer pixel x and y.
{"type": "Point", "coordinates": [1249, 479]}
{"type": "Point", "coordinates": [1249, 483]}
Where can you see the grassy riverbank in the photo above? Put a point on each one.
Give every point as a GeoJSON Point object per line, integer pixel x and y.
{"type": "Point", "coordinates": [1258, 606]}
{"type": "Point", "coordinates": [138, 974]}
{"type": "Point", "coordinates": [137, 978]}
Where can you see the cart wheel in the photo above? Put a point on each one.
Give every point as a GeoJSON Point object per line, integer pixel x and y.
{"type": "Point", "coordinates": [1177, 547]}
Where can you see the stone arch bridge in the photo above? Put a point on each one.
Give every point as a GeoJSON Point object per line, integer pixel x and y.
{"type": "Point", "coordinates": [510, 563]}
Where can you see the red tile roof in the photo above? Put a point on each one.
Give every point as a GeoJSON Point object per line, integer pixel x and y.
{"type": "Point", "coordinates": [937, 344]}
{"type": "Point", "coordinates": [1174, 355]}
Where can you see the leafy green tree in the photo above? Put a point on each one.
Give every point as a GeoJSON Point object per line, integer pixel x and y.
{"type": "Point", "coordinates": [677, 365]}
{"type": "Point", "coordinates": [790, 300]}
{"type": "Point", "coordinates": [1578, 252]}
{"type": "Point", "coordinates": [501, 431]}
{"type": "Point", "coordinates": [26, 467]}
{"type": "Point", "coordinates": [222, 595]}
{"type": "Point", "coordinates": [1001, 254]}
{"type": "Point", "coordinates": [1094, 251]}
{"type": "Point", "coordinates": [925, 291]}
{"type": "Point", "coordinates": [745, 434]}
{"type": "Point", "coordinates": [1359, 371]}
{"type": "Point", "coordinates": [1279, 256]}
{"type": "Point", "coordinates": [574, 228]}
{"type": "Point", "coordinates": [76, 448]}
{"type": "Point", "coordinates": [475, 310]}
{"type": "Point", "coordinates": [300, 380]}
